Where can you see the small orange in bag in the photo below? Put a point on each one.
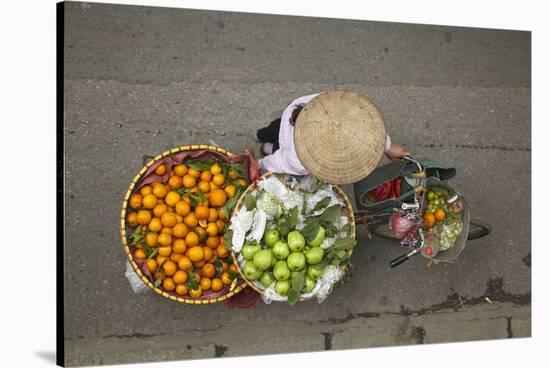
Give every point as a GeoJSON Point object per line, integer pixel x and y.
{"type": "Point", "coordinates": [429, 219]}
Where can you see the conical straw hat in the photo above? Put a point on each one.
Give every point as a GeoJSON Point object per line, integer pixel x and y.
{"type": "Point", "coordinates": [340, 137]}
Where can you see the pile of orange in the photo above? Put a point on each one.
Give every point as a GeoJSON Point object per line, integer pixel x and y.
{"type": "Point", "coordinates": [181, 224]}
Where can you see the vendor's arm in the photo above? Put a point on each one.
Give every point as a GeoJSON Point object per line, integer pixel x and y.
{"type": "Point", "coordinates": [394, 151]}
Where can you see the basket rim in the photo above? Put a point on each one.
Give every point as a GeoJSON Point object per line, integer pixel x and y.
{"type": "Point", "coordinates": [240, 203]}
{"type": "Point", "coordinates": [235, 286]}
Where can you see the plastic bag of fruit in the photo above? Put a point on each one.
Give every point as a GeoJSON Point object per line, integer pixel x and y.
{"type": "Point", "coordinates": [176, 218]}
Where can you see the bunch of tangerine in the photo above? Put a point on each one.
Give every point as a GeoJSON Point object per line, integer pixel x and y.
{"type": "Point", "coordinates": [182, 225]}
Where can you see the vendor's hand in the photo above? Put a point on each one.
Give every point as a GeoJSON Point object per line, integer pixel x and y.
{"type": "Point", "coordinates": [396, 151]}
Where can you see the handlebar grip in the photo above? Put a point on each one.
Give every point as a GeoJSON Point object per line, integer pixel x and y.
{"type": "Point", "coordinates": [397, 261]}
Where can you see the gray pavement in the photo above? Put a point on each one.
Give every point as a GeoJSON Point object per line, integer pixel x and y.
{"type": "Point", "coordinates": [141, 80]}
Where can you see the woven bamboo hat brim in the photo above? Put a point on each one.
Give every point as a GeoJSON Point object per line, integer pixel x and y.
{"type": "Point", "coordinates": [340, 137]}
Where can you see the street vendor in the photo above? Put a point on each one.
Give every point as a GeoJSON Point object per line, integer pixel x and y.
{"type": "Point", "coordinates": [337, 136]}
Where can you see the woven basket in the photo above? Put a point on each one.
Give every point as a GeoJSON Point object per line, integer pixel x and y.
{"type": "Point", "coordinates": [235, 287]}
{"type": "Point", "coordinates": [240, 203]}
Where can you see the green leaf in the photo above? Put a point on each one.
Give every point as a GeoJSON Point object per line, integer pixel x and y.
{"type": "Point", "coordinates": [203, 237]}
{"type": "Point", "coordinates": [219, 267]}
{"type": "Point", "coordinates": [225, 169]}
{"type": "Point", "coordinates": [330, 213]}
{"type": "Point", "coordinates": [228, 239]}
{"type": "Point", "coordinates": [321, 204]}
{"type": "Point", "coordinates": [158, 281]}
{"type": "Point", "coordinates": [292, 218]}
{"type": "Point", "coordinates": [154, 253]}
{"type": "Point", "coordinates": [304, 206]}
{"type": "Point", "coordinates": [181, 191]}
{"type": "Point", "coordinates": [196, 199]}
{"type": "Point", "coordinates": [344, 244]}
{"type": "Point", "coordinates": [147, 250]}
{"type": "Point", "coordinates": [310, 230]}
{"type": "Point", "coordinates": [293, 296]}
{"type": "Point", "coordinates": [232, 274]}
{"type": "Point", "coordinates": [239, 170]}
{"type": "Point", "coordinates": [298, 281]}
{"type": "Point", "coordinates": [250, 202]}
{"type": "Point", "coordinates": [346, 228]}
{"type": "Point", "coordinates": [192, 282]}
{"type": "Point", "coordinates": [198, 165]}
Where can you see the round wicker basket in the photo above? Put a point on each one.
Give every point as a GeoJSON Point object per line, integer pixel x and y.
{"type": "Point", "coordinates": [237, 284]}
{"type": "Point", "coordinates": [240, 203]}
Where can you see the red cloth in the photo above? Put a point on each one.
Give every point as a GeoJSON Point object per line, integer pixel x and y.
{"type": "Point", "coordinates": [390, 189]}
{"type": "Point", "coordinates": [245, 299]}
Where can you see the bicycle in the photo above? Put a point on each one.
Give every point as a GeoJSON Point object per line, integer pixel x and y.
{"type": "Point", "coordinates": [375, 217]}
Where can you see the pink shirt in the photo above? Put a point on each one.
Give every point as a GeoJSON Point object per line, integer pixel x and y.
{"type": "Point", "coordinates": [285, 160]}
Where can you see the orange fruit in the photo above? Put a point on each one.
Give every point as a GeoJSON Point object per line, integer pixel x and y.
{"type": "Point", "coordinates": [179, 246]}
{"type": "Point", "coordinates": [180, 277]}
{"type": "Point", "coordinates": [200, 231]}
{"type": "Point", "coordinates": [206, 176]}
{"type": "Point", "coordinates": [143, 217]}
{"type": "Point", "coordinates": [191, 239]}
{"type": "Point", "coordinates": [155, 225]}
{"type": "Point", "coordinates": [440, 214]}
{"type": "Point", "coordinates": [218, 179]}
{"type": "Point", "coordinates": [199, 264]}
{"type": "Point", "coordinates": [160, 170]}
{"type": "Point", "coordinates": [196, 293]}
{"type": "Point", "coordinates": [212, 215]}
{"type": "Point", "coordinates": [165, 251]}
{"type": "Point", "coordinates": [205, 284]}
{"type": "Point", "coordinates": [195, 254]}
{"type": "Point", "coordinates": [179, 230]}
{"type": "Point", "coordinates": [208, 253]}
{"type": "Point", "coordinates": [168, 219]}
{"type": "Point", "coordinates": [191, 220]}
{"type": "Point", "coordinates": [242, 182]}
{"type": "Point", "coordinates": [164, 240]}
{"type": "Point", "coordinates": [146, 189]}
{"type": "Point", "coordinates": [180, 170]}
{"type": "Point", "coordinates": [150, 201]}
{"type": "Point", "coordinates": [135, 200]}
{"type": "Point", "coordinates": [208, 270]}
{"type": "Point", "coordinates": [161, 259]}
{"type": "Point", "coordinates": [217, 284]}
{"type": "Point", "coordinates": [181, 290]}
{"type": "Point", "coordinates": [169, 268]}
{"type": "Point", "coordinates": [230, 190]}
{"type": "Point", "coordinates": [221, 251]}
{"type": "Point", "coordinates": [212, 229]}
{"type": "Point", "coordinates": [151, 239]}
{"type": "Point", "coordinates": [183, 208]}
{"type": "Point", "coordinates": [204, 186]}
{"type": "Point", "coordinates": [202, 212]}
{"type": "Point", "coordinates": [152, 265]}
{"type": "Point", "coordinates": [213, 186]}
{"type": "Point", "coordinates": [172, 199]}
{"type": "Point", "coordinates": [185, 264]}
{"type": "Point", "coordinates": [215, 169]}
{"type": "Point", "coordinates": [226, 279]}
{"type": "Point", "coordinates": [166, 230]}
{"type": "Point", "coordinates": [429, 219]}
{"type": "Point", "coordinates": [217, 198]}
{"type": "Point", "coordinates": [160, 209]}
{"type": "Point", "coordinates": [179, 218]}
{"type": "Point", "coordinates": [225, 266]}
{"type": "Point", "coordinates": [232, 175]}
{"type": "Point", "coordinates": [140, 254]}
{"type": "Point", "coordinates": [159, 190]}
{"type": "Point", "coordinates": [189, 181]}
{"type": "Point", "coordinates": [221, 225]}
{"type": "Point", "coordinates": [175, 182]}
{"type": "Point", "coordinates": [197, 276]}
{"type": "Point", "coordinates": [194, 173]}
{"type": "Point", "coordinates": [168, 284]}
{"type": "Point", "coordinates": [212, 242]}
{"type": "Point", "coordinates": [175, 257]}
{"type": "Point", "coordinates": [131, 219]}
{"type": "Point", "coordinates": [233, 268]}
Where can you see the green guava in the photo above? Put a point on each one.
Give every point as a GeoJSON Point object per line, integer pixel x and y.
{"type": "Point", "coordinates": [296, 241]}
{"type": "Point", "coordinates": [271, 236]}
{"type": "Point", "coordinates": [281, 271]}
{"type": "Point", "coordinates": [249, 250]}
{"type": "Point", "coordinates": [282, 287]}
{"type": "Point", "coordinates": [296, 261]}
{"type": "Point", "coordinates": [251, 272]}
{"type": "Point", "coordinates": [267, 279]}
{"type": "Point", "coordinates": [262, 259]}
{"type": "Point", "coordinates": [281, 250]}
{"type": "Point", "coordinates": [314, 255]}
{"type": "Point", "coordinates": [315, 271]}
{"type": "Point", "coordinates": [319, 238]}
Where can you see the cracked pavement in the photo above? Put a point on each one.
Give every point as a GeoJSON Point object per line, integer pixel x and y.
{"type": "Point", "coordinates": [141, 80]}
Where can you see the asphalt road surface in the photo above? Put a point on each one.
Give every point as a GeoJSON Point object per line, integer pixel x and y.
{"type": "Point", "coordinates": [140, 80]}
